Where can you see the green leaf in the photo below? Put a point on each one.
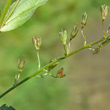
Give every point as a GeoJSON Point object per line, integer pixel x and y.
{"type": "Point", "coordinates": [21, 14]}
{"type": "Point", "coordinates": [4, 107]}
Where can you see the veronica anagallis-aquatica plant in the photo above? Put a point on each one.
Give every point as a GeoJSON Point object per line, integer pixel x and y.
{"type": "Point", "coordinates": [14, 16]}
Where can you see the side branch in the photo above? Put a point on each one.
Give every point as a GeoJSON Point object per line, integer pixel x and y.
{"type": "Point", "coordinates": [48, 65]}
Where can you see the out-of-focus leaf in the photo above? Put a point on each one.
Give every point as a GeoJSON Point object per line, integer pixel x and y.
{"type": "Point", "coordinates": [4, 107]}
{"type": "Point", "coordinates": [21, 14]}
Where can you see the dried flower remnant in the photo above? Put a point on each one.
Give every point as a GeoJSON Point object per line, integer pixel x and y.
{"type": "Point", "coordinates": [60, 73]}
{"type": "Point", "coordinates": [20, 68]}
{"type": "Point", "coordinates": [74, 32]}
{"type": "Point", "coordinates": [104, 11]}
{"type": "Point", "coordinates": [37, 42]}
{"type": "Point", "coordinates": [52, 66]}
{"type": "Point", "coordinates": [63, 36]}
{"type": "Point", "coordinates": [21, 64]}
{"type": "Point", "coordinates": [84, 19]}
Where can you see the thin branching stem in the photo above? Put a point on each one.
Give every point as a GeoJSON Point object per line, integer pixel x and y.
{"type": "Point", "coordinates": [48, 65]}
{"type": "Point", "coordinates": [103, 28]}
{"type": "Point", "coordinates": [49, 73]}
{"type": "Point", "coordinates": [108, 30]}
{"type": "Point", "coordinates": [38, 58]}
{"type": "Point", "coordinates": [82, 32]}
{"type": "Point", "coordinates": [64, 46]}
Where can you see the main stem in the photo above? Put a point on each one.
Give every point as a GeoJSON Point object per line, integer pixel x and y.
{"type": "Point", "coordinates": [48, 65]}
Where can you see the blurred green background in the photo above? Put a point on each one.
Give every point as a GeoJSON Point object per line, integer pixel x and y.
{"type": "Point", "coordinates": [87, 82]}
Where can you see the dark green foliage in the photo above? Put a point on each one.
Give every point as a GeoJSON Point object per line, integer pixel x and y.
{"type": "Point", "coordinates": [4, 107]}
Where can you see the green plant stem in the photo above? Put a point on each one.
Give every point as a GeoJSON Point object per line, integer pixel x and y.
{"type": "Point", "coordinates": [48, 65]}
{"type": "Point", "coordinates": [64, 46]}
{"type": "Point", "coordinates": [38, 58]}
{"type": "Point", "coordinates": [107, 30]}
{"type": "Point", "coordinates": [49, 73]}
{"type": "Point", "coordinates": [12, 10]}
{"type": "Point", "coordinates": [82, 32]}
{"type": "Point", "coordinates": [103, 28]}
{"type": "Point", "coordinates": [5, 11]}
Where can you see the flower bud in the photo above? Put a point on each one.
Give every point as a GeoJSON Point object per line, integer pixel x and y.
{"type": "Point", "coordinates": [74, 32]}
{"type": "Point", "coordinates": [63, 36]}
{"type": "Point", "coordinates": [21, 64]}
{"type": "Point", "coordinates": [104, 11]}
{"type": "Point", "coordinates": [96, 51]}
{"type": "Point", "coordinates": [52, 66]}
{"type": "Point", "coordinates": [37, 42]}
{"type": "Point", "coordinates": [84, 19]}
{"type": "Point", "coordinates": [60, 73]}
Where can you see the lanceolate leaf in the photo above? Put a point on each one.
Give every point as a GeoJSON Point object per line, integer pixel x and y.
{"type": "Point", "coordinates": [21, 14]}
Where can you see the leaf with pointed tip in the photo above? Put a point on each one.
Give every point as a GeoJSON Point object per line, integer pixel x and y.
{"type": "Point", "coordinates": [21, 14]}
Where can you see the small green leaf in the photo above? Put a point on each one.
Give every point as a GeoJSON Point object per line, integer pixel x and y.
{"type": "Point", "coordinates": [21, 14]}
